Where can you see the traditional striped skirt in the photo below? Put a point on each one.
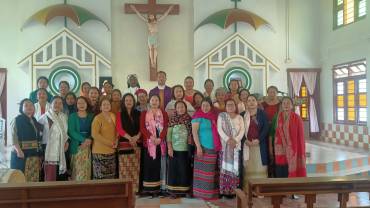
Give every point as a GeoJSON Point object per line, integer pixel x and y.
{"type": "Point", "coordinates": [205, 183]}
{"type": "Point", "coordinates": [152, 172]}
{"type": "Point", "coordinates": [179, 173]}
{"type": "Point", "coordinates": [81, 165]}
{"type": "Point", "coordinates": [129, 167]}
{"type": "Point", "coordinates": [228, 180]}
{"type": "Point", "coordinates": [253, 168]}
{"type": "Point", "coordinates": [104, 166]}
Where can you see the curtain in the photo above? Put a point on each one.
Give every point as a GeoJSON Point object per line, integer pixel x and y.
{"type": "Point", "coordinates": [2, 120]}
{"type": "Point", "coordinates": [296, 78]}
{"type": "Point", "coordinates": [310, 79]}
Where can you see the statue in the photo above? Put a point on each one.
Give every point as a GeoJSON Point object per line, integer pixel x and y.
{"type": "Point", "coordinates": [152, 24]}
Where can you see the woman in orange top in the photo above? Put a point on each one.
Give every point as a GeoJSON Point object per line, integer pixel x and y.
{"type": "Point", "coordinates": [103, 131]}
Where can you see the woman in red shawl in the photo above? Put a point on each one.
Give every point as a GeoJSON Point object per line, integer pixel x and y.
{"type": "Point", "coordinates": [290, 156]}
{"type": "Point", "coordinates": [208, 144]}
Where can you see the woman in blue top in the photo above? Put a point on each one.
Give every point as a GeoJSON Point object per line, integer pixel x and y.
{"type": "Point", "coordinates": [207, 141]}
{"type": "Point", "coordinates": [79, 130]}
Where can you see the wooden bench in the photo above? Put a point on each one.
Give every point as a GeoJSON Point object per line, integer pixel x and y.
{"type": "Point", "coordinates": [278, 188]}
{"type": "Point", "coordinates": [69, 194]}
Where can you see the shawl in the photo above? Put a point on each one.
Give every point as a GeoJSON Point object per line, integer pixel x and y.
{"type": "Point", "coordinates": [230, 159]}
{"type": "Point", "coordinates": [212, 116]}
{"type": "Point", "coordinates": [184, 119]}
{"type": "Point", "coordinates": [290, 144]}
{"type": "Point", "coordinates": [154, 123]}
{"type": "Point", "coordinates": [54, 153]}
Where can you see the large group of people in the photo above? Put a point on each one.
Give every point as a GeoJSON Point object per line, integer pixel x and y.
{"type": "Point", "coordinates": [172, 140]}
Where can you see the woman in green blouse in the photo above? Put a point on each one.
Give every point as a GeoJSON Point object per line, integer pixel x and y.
{"type": "Point", "coordinates": [79, 130]}
{"type": "Point", "coordinates": [178, 138]}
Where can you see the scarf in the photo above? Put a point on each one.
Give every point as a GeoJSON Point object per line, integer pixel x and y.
{"type": "Point", "coordinates": [154, 124]}
{"type": "Point", "coordinates": [290, 144]}
{"type": "Point", "coordinates": [247, 122]}
{"type": "Point", "coordinates": [212, 116]}
{"type": "Point", "coordinates": [54, 153]}
{"type": "Point", "coordinates": [184, 119]}
{"type": "Point", "coordinates": [230, 159]}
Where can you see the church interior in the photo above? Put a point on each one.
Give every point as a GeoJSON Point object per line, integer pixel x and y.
{"type": "Point", "coordinates": [311, 53]}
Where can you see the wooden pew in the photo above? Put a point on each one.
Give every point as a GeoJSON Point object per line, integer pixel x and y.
{"type": "Point", "coordinates": [68, 194]}
{"type": "Point", "coordinates": [278, 188]}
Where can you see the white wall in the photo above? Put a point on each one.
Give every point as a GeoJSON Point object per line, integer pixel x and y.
{"type": "Point", "coordinates": [303, 33]}
{"type": "Point", "coordinates": [342, 45]}
{"type": "Point", "coordinates": [130, 50]}
{"type": "Point", "coordinates": [16, 44]}
{"type": "Point", "coordinates": [313, 43]}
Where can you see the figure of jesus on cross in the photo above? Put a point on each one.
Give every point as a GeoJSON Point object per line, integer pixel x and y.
{"type": "Point", "coordinates": [152, 10]}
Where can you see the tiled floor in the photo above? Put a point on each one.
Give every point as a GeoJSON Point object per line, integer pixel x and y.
{"type": "Point", "coordinates": [325, 154]}
{"type": "Point", "coordinates": [330, 160]}
{"type": "Point", "coordinates": [323, 160]}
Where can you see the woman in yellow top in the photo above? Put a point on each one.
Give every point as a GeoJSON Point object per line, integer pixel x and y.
{"type": "Point", "coordinates": [103, 131]}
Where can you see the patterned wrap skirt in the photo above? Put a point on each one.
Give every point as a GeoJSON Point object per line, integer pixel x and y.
{"type": "Point", "coordinates": [228, 180]}
{"type": "Point", "coordinates": [81, 165]}
{"type": "Point", "coordinates": [179, 172]}
{"type": "Point", "coordinates": [104, 166]}
{"type": "Point", "coordinates": [32, 169]}
{"type": "Point", "coordinates": [129, 167]}
{"type": "Point", "coordinates": [205, 181]}
{"type": "Point", "coordinates": [30, 166]}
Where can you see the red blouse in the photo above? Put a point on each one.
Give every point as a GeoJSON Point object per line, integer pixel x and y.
{"type": "Point", "coordinates": [189, 98]}
{"type": "Point", "coordinates": [253, 132]}
{"type": "Point", "coordinates": [270, 110]}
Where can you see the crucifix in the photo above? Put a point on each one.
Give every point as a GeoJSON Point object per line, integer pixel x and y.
{"type": "Point", "coordinates": [235, 7]}
{"type": "Point", "coordinates": [152, 9]}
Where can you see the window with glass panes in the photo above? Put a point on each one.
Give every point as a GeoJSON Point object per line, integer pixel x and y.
{"type": "Point", "coordinates": [348, 11]}
{"type": "Point", "coordinates": [303, 95]}
{"type": "Point", "coordinates": [350, 93]}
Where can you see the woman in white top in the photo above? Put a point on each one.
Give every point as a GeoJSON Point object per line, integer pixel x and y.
{"type": "Point", "coordinates": [230, 126]}
{"type": "Point", "coordinates": [55, 137]}
{"type": "Point", "coordinates": [42, 106]}
{"type": "Point", "coordinates": [178, 93]}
